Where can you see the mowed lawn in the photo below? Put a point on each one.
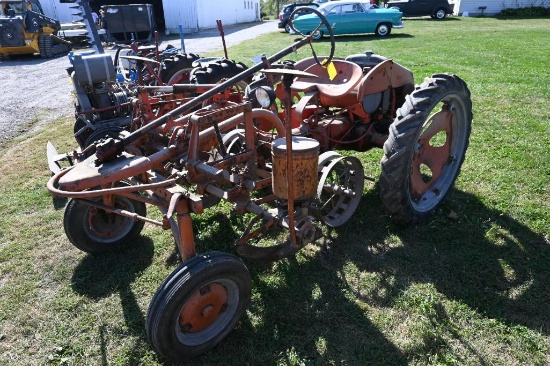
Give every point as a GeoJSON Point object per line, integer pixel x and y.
{"type": "Point", "coordinates": [469, 286]}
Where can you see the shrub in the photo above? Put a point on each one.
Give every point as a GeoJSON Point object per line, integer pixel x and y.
{"type": "Point", "coordinates": [531, 11]}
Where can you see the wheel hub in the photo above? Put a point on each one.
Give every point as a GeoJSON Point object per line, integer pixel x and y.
{"type": "Point", "coordinates": [429, 157]}
{"type": "Point", "coordinates": [106, 225]}
{"type": "Point", "coordinates": [203, 308]}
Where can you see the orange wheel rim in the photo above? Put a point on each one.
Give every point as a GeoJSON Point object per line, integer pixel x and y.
{"type": "Point", "coordinates": [432, 157]}
{"type": "Point", "coordinates": [203, 308]}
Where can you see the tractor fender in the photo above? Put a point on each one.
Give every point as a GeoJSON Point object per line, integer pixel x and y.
{"type": "Point", "coordinates": [384, 76]}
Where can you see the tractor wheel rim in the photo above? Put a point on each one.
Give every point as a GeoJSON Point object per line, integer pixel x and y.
{"type": "Point", "coordinates": [437, 154]}
{"type": "Point", "coordinates": [207, 312]}
{"type": "Point", "coordinates": [107, 227]}
{"type": "Point", "coordinates": [180, 77]}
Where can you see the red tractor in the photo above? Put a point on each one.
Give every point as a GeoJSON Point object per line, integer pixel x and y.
{"type": "Point", "coordinates": [273, 160]}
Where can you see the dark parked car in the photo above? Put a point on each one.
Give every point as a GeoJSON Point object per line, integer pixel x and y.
{"type": "Point", "coordinates": [437, 9]}
{"type": "Point", "coordinates": [287, 10]}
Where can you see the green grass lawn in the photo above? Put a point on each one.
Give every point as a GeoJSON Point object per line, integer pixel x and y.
{"type": "Point", "coordinates": [470, 286]}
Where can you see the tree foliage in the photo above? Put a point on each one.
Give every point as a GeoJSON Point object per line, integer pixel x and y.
{"type": "Point", "coordinates": [273, 7]}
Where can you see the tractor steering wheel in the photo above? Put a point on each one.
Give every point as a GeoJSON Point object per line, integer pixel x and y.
{"type": "Point", "coordinates": [311, 34]}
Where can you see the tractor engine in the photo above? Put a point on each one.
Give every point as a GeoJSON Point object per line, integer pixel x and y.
{"type": "Point", "coordinates": [359, 127]}
{"type": "Point", "coordinates": [103, 105]}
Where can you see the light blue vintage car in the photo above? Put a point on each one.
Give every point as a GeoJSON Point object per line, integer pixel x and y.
{"type": "Point", "coordinates": [350, 17]}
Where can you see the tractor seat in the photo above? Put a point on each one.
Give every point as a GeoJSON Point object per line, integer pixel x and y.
{"type": "Point", "coordinates": [337, 92]}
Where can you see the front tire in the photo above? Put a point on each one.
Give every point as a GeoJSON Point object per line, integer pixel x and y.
{"type": "Point", "coordinates": [317, 35]}
{"type": "Point", "coordinates": [426, 147]}
{"type": "Point", "coordinates": [197, 305]}
{"type": "Point", "coordinates": [287, 27]}
{"type": "Point", "coordinates": [383, 30]}
{"type": "Point", "coordinates": [94, 231]}
{"type": "Point", "coordinates": [440, 14]}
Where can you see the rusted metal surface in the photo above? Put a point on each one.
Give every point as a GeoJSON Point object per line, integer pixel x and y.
{"type": "Point", "coordinates": [305, 154]}
{"type": "Point", "coordinates": [176, 158]}
{"type": "Point", "coordinates": [430, 158]}
{"type": "Point", "coordinates": [203, 308]}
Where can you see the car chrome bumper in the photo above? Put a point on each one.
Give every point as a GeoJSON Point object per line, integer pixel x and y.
{"type": "Point", "coordinates": [400, 25]}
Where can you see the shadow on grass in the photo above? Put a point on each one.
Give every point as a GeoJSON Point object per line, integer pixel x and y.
{"type": "Point", "coordinates": [486, 259]}
{"type": "Point", "coordinates": [359, 38]}
{"type": "Point", "coordinates": [522, 17]}
{"type": "Point", "coordinates": [308, 310]}
{"type": "Point", "coordinates": [305, 309]}
{"type": "Point", "coordinates": [100, 276]}
{"type": "Point", "coordinates": [429, 19]}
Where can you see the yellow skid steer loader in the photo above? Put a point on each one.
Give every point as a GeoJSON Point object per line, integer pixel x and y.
{"type": "Point", "coordinates": [24, 29]}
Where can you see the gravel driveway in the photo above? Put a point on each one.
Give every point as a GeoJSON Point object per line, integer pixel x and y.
{"type": "Point", "coordinates": [34, 91]}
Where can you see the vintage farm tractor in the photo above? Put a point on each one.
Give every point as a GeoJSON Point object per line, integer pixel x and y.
{"type": "Point", "coordinates": [190, 146]}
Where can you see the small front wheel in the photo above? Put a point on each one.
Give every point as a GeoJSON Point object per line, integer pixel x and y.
{"type": "Point", "coordinates": [383, 30]}
{"type": "Point", "coordinates": [340, 187]}
{"type": "Point", "coordinates": [94, 230]}
{"type": "Point", "coordinates": [197, 305]}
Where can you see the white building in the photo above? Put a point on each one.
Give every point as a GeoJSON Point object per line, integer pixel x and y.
{"type": "Point", "coordinates": [197, 14]}
{"type": "Point", "coordinates": [494, 7]}
{"type": "Point", "coordinates": [169, 14]}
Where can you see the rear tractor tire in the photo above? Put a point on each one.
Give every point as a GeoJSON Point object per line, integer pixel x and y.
{"type": "Point", "coordinates": [178, 68]}
{"type": "Point", "coordinates": [426, 147]}
{"type": "Point", "coordinates": [216, 71]}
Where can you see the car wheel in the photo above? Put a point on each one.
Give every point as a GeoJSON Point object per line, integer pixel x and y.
{"type": "Point", "coordinates": [383, 30]}
{"type": "Point", "coordinates": [440, 14]}
{"type": "Point", "coordinates": [287, 27]}
{"type": "Point", "coordinates": [317, 35]}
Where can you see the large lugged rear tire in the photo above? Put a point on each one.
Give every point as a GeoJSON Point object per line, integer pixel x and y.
{"type": "Point", "coordinates": [197, 305]}
{"type": "Point", "coordinates": [178, 68]}
{"type": "Point", "coordinates": [216, 71]}
{"type": "Point", "coordinates": [426, 147]}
